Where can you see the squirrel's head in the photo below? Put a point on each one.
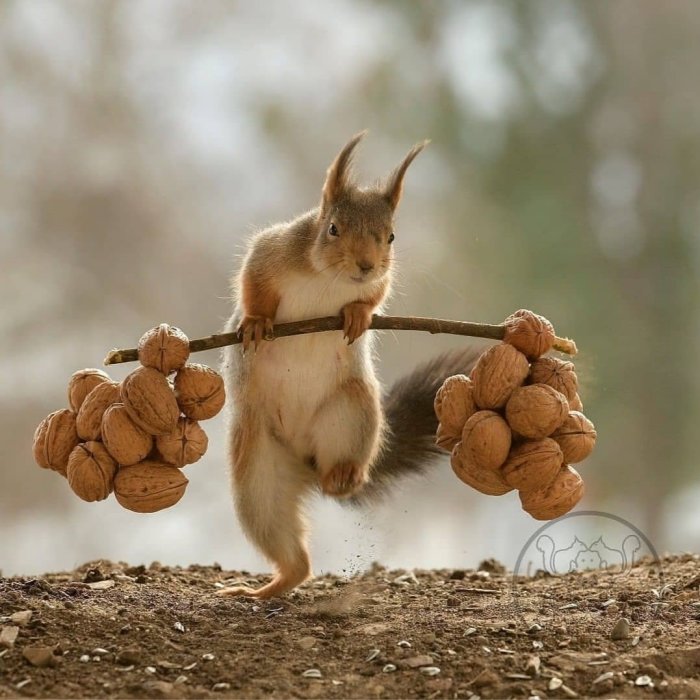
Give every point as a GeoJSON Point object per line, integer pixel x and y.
{"type": "Point", "coordinates": [356, 225]}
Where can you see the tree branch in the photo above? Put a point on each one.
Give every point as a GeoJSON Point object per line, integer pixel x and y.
{"type": "Point", "coordinates": [335, 323]}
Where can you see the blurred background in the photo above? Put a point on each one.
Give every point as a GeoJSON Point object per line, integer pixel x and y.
{"type": "Point", "coordinates": [143, 142]}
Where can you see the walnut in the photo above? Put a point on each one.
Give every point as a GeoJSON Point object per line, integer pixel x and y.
{"type": "Point", "coordinates": [124, 440]}
{"type": "Point", "coordinates": [91, 471]}
{"type": "Point", "coordinates": [54, 440]}
{"type": "Point", "coordinates": [533, 335]}
{"type": "Point", "coordinates": [150, 401]}
{"type": "Point", "coordinates": [446, 438]}
{"type": "Point", "coordinates": [486, 481]}
{"type": "Point", "coordinates": [559, 374]}
{"type": "Point", "coordinates": [499, 371]}
{"type": "Point", "coordinates": [149, 486]}
{"type": "Point", "coordinates": [89, 419]}
{"type": "Point", "coordinates": [454, 402]}
{"type": "Point", "coordinates": [533, 464]}
{"type": "Point", "coordinates": [576, 404]}
{"type": "Point", "coordinates": [576, 437]}
{"type": "Point", "coordinates": [82, 383]}
{"type": "Point", "coordinates": [557, 499]}
{"type": "Point", "coordinates": [486, 440]}
{"type": "Point", "coordinates": [536, 411]}
{"type": "Point", "coordinates": [164, 348]}
{"type": "Point", "coordinates": [200, 391]}
{"type": "Point", "coordinates": [185, 445]}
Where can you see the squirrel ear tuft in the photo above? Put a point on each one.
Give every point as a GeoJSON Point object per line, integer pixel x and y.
{"type": "Point", "coordinates": [338, 174]}
{"type": "Point", "coordinates": [394, 184]}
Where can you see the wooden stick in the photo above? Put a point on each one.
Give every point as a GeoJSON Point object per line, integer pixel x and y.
{"type": "Point", "coordinates": [335, 323]}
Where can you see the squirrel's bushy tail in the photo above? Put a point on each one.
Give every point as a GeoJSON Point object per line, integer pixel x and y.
{"type": "Point", "coordinates": [409, 446]}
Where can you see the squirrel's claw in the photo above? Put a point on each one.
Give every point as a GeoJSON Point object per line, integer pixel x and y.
{"type": "Point", "coordinates": [357, 318]}
{"type": "Point", "coordinates": [255, 329]}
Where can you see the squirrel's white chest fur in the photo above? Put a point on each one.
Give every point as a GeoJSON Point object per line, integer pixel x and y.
{"type": "Point", "coordinates": [292, 377]}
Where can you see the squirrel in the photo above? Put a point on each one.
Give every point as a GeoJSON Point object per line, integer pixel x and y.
{"type": "Point", "coordinates": [308, 411]}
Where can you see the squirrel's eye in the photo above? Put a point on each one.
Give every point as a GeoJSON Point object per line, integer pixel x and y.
{"type": "Point", "coordinates": [391, 238]}
{"type": "Point", "coordinates": [333, 230]}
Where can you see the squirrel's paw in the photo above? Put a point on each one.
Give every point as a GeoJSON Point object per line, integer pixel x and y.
{"type": "Point", "coordinates": [357, 318]}
{"type": "Point", "coordinates": [344, 479]}
{"type": "Point", "coordinates": [255, 329]}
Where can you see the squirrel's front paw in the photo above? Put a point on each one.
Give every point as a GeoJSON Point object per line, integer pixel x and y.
{"type": "Point", "coordinates": [344, 479]}
{"type": "Point", "coordinates": [255, 329]}
{"type": "Point", "coordinates": [357, 318]}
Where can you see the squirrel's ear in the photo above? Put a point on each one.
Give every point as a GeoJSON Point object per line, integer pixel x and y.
{"type": "Point", "coordinates": [338, 174]}
{"type": "Point", "coordinates": [394, 184]}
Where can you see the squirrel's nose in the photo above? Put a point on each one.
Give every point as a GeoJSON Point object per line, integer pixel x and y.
{"type": "Point", "coordinates": [365, 266]}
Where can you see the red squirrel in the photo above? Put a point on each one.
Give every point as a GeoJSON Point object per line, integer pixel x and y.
{"type": "Point", "coordinates": [307, 412]}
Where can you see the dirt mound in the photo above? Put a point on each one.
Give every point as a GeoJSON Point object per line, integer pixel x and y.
{"type": "Point", "coordinates": [110, 630]}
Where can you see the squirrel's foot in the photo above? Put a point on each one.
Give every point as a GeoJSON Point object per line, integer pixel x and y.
{"type": "Point", "coordinates": [344, 479]}
{"type": "Point", "coordinates": [280, 584]}
{"type": "Point", "coordinates": [357, 318]}
{"type": "Point", "coordinates": [255, 329]}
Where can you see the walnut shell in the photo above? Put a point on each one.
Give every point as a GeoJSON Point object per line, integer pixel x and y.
{"type": "Point", "coordinates": [486, 440]}
{"type": "Point", "coordinates": [149, 486]}
{"type": "Point", "coordinates": [82, 383]}
{"type": "Point", "coordinates": [533, 464]}
{"type": "Point", "coordinates": [200, 391]}
{"type": "Point", "coordinates": [124, 440]}
{"type": "Point", "coordinates": [498, 372]}
{"type": "Point", "coordinates": [559, 374]}
{"type": "Point", "coordinates": [536, 410]}
{"type": "Point", "coordinates": [576, 404]}
{"type": "Point", "coordinates": [483, 480]}
{"type": "Point", "coordinates": [91, 471]}
{"type": "Point", "coordinates": [557, 499]}
{"type": "Point", "coordinates": [446, 438]}
{"type": "Point", "coordinates": [89, 419]}
{"type": "Point", "coordinates": [185, 445]}
{"type": "Point", "coordinates": [576, 437]}
{"type": "Point", "coordinates": [530, 333]}
{"type": "Point", "coordinates": [454, 402]}
{"type": "Point", "coordinates": [150, 401]}
{"type": "Point", "coordinates": [165, 348]}
{"type": "Point", "coordinates": [54, 440]}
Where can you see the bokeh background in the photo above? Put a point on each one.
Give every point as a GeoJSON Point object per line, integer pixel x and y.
{"type": "Point", "coordinates": [141, 143]}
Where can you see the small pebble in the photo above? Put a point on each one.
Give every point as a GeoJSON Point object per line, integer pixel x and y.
{"type": "Point", "coordinates": [179, 626]}
{"type": "Point", "coordinates": [99, 651]}
{"type": "Point", "coordinates": [208, 657]}
{"type": "Point", "coordinates": [555, 683]}
{"type": "Point", "coordinates": [604, 677]}
{"type": "Point", "coordinates": [150, 669]}
{"type": "Point", "coordinates": [643, 681]}
{"type": "Point", "coordinates": [307, 643]}
{"type": "Point", "coordinates": [101, 585]}
{"type": "Point", "coordinates": [41, 657]}
{"type": "Point", "coordinates": [84, 659]}
{"type": "Point", "coordinates": [221, 686]}
{"type": "Point", "coordinates": [430, 670]}
{"type": "Point", "coordinates": [621, 630]}
{"type": "Point", "coordinates": [8, 636]}
{"type": "Point", "coordinates": [21, 618]}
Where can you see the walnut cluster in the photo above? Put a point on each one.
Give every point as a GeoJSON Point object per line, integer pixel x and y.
{"type": "Point", "coordinates": [517, 421]}
{"type": "Point", "coordinates": [133, 437]}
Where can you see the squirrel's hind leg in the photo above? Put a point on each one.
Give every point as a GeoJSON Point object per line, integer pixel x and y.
{"type": "Point", "coordinates": [345, 437]}
{"type": "Point", "coordinates": [269, 487]}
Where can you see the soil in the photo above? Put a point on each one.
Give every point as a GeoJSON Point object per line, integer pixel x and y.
{"type": "Point", "coordinates": [110, 630]}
